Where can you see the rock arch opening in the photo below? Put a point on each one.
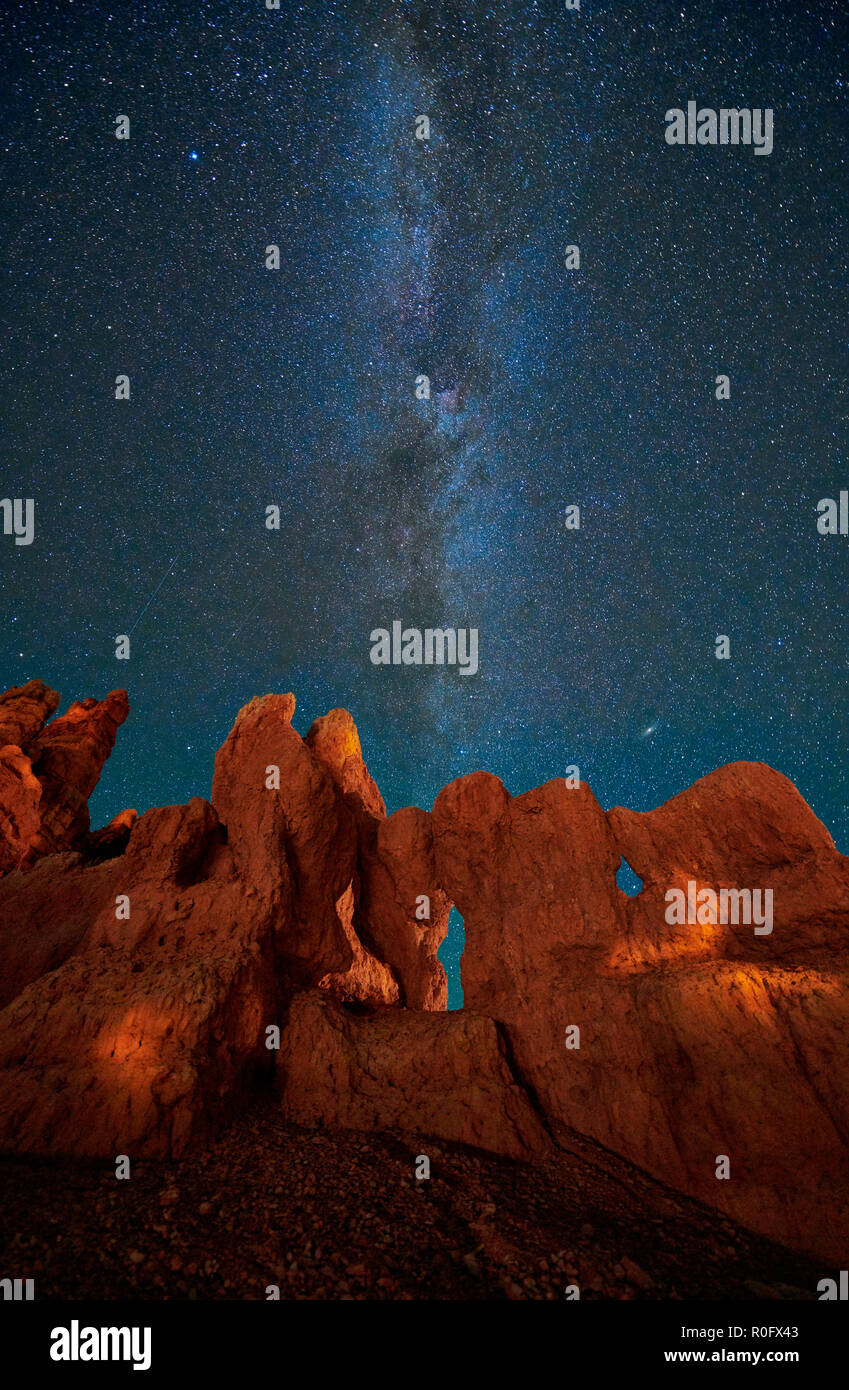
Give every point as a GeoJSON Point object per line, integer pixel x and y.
{"type": "Point", "coordinates": [630, 883]}
{"type": "Point", "coordinates": [450, 954]}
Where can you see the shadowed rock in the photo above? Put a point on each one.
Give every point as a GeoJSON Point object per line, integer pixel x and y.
{"type": "Point", "coordinates": [423, 1073]}
{"type": "Point", "coordinates": [48, 772]}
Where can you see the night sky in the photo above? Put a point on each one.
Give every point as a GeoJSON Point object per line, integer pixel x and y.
{"type": "Point", "coordinates": [550, 387]}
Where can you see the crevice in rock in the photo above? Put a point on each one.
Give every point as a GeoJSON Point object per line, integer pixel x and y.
{"type": "Point", "coordinates": [526, 1087]}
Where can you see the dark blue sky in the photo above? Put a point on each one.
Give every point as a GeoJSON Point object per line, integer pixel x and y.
{"type": "Point", "coordinates": [550, 387]}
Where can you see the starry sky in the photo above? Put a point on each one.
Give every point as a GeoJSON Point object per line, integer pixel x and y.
{"type": "Point", "coordinates": [550, 387]}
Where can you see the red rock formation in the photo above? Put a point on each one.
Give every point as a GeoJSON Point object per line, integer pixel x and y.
{"type": "Point", "coordinates": [747, 1032]}
{"type": "Point", "coordinates": [112, 839]}
{"type": "Point", "coordinates": [744, 824]}
{"type": "Point", "coordinates": [367, 980]}
{"type": "Point", "coordinates": [695, 1041]}
{"type": "Point", "coordinates": [48, 773]}
{"type": "Point", "coordinates": [108, 1056]}
{"type": "Point", "coordinates": [423, 1073]}
{"type": "Point", "coordinates": [24, 710]}
{"type": "Point", "coordinates": [67, 757]}
{"type": "Point", "coordinates": [294, 838]}
{"type": "Point", "coordinates": [334, 740]}
{"type": "Point", "coordinates": [402, 909]}
{"type": "Point", "coordinates": [399, 911]}
{"type": "Point", "coordinates": [193, 939]}
{"type": "Point", "coordinates": [45, 914]}
{"type": "Point", "coordinates": [143, 974]}
{"type": "Point", "coordinates": [534, 877]}
{"type": "Point", "coordinates": [20, 801]}
{"type": "Point", "coordinates": [145, 1036]}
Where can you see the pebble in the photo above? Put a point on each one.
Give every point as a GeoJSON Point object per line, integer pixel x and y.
{"type": "Point", "coordinates": [635, 1275]}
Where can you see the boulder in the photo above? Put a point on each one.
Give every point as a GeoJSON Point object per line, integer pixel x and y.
{"type": "Point", "coordinates": [432, 1075]}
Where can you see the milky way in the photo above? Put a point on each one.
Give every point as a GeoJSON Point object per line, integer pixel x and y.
{"type": "Point", "coordinates": [550, 387]}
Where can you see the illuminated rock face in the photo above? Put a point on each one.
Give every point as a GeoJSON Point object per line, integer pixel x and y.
{"type": "Point", "coordinates": [758, 1023]}
{"type": "Point", "coordinates": [143, 975]}
{"type": "Point", "coordinates": [154, 971]}
{"type": "Point", "coordinates": [695, 1041]}
{"type": "Point", "coordinates": [146, 1032]}
{"type": "Point", "coordinates": [24, 710]}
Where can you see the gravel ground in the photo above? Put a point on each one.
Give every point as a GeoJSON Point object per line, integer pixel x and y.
{"type": "Point", "coordinates": [342, 1215]}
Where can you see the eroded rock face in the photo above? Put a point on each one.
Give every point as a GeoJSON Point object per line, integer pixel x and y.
{"type": "Point", "coordinates": [145, 968]}
{"type": "Point", "coordinates": [127, 1055]}
{"type": "Point", "coordinates": [398, 913]}
{"type": "Point", "coordinates": [334, 741]}
{"type": "Point", "coordinates": [288, 827]}
{"type": "Point", "coordinates": [747, 1034]}
{"type": "Point", "coordinates": [367, 980]}
{"type": "Point", "coordinates": [743, 825]}
{"type": "Point", "coordinates": [20, 808]}
{"type": "Point", "coordinates": [24, 710]}
{"type": "Point", "coordinates": [696, 1040]}
{"type": "Point", "coordinates": [113, 838]}
{"type": "Point", "coordinates": [402, 909]}
{"type": "Point", "coordinates": [184, 932]}
{"type": "Point", "coordinates": [420, 1072]}
{"type": "Point", "coordinates": [527, 950]}
{"type": "Point", "coordinates": [48, 772]}
{"type": "Point", "coordinates": [44, 916]}
{"type": "Point", "coordinates": [67, 758]}
{"type": "Point", "coordinates": [141, 1040]}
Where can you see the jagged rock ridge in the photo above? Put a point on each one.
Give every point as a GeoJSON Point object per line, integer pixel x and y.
{"type": "Point", "coordinates": [288, 930]}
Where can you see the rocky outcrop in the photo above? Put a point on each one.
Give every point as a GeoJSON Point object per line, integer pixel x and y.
{"type": "Point", "coordinates": [112, 839]}
{"type": "Point", "coordinates": [747, 1035]}
{"type": "Point", "coordinates": [188, 929]}
{"type": "Point", "coordinates": [672, 1043]}
{"type": "Point", "coordinates": [146, 1033]}
{"type": "Point", "coordinates": [45, 915]}
{"type": "Point", "coordinates": [402, 909]}
{"type": "Point", "coordinates": [24, 710]}
{"type": "Point", "coordinates": [288, 929]}
{"type": "Point", "coordinates": [743, 825]}
{"type": "Point", "coordinates": [526, 949]}
{"type": "Point", "coordinates": [334, 741]}
{"type": "Point", "coordinates": [401, 913]}
{"type": "Point", "coordinates": [294, 837]}
{"type": "Point", "coordinates": [48, 771]}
